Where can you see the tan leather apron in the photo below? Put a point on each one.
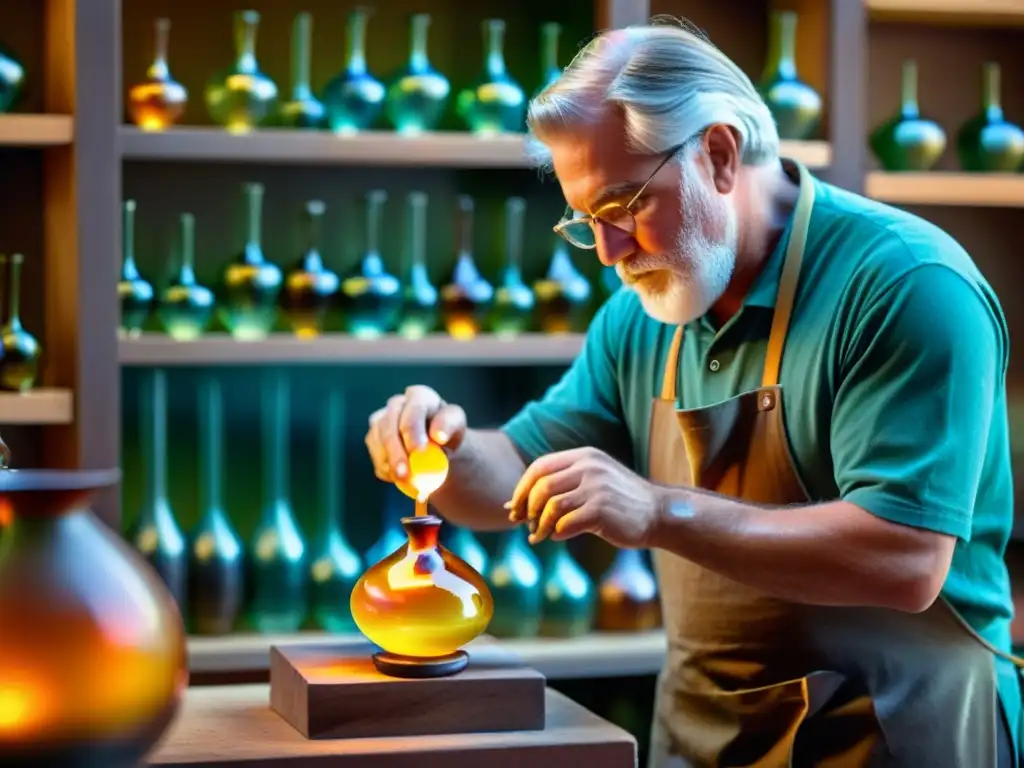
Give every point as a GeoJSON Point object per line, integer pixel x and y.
{"type": "Point", "coordinates": [751, 680]}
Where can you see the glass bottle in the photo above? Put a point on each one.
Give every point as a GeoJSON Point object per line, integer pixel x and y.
{"type": "Point", "coordinates": [159, 101]}
{"type": "Point", "coordinates": [19, 362]}
{"type": "Point", "coordinates": [628, 595]}
{"type": "Point", "coordinates": [242, 97]}
{"type": "Point", "coordinates": [155, 532]}
{"type": "Point", "coordinates": [186, 306]}
{"type": "Point", "coordinates": [513, 300]}
{"type": "Point", "coordinates": [795, 106]}
{"type": "Point", "coordinates": [569, 594]}
{"type": "Point", "coordinates": [309, 286]}
{"type": "Point", "coordinates": [277, 553]}
{"type": "Point", "coordinates": [216, 567]}
{"type": "Point", "coordinates": [466, 546]}
{"type": "Point", "coordinates": [466, 299]}
{"type": "Point", "coordinates": [354, 98]}
{"type": "Point", "coordinates": [134, 293]}
{"type": "Point", "coordinates": [907, 141]}
{"type": "Point", "coordinates": [549, 70]}
{"type": "Point", "coordinates": [420, 297]}
{"type": "Point", "coordinates": [250, 285]}
{"type": "Point", "coordinates": [335, 565]}
{"type": "Point", "coordinates": [515, 578]}
{"type": "Point", "coordinates": [303, 110]}
{"type": "Point", "coordinates": [391, 532]}
{"type": "Point", "coordinates": [563, 294]}
{"type": "Point", "coordinates": [988, 142]}
{"type": "Point", "coordinates": [496, 103]}
{"type": "Point", "coordinates": [417, 98]}
{"type": "Point", "coordinates": [12, 79]}
{"type": "Point", "coordinates": [371, 297]}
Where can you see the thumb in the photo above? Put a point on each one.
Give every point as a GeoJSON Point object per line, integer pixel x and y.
{"type": "Point", "coordinates": [448, 427]}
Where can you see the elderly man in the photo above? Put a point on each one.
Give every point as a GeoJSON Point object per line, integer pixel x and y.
{"type": "Point", "coordinates": [797, 403]}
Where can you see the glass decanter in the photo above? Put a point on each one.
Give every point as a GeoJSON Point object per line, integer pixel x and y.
{"type": "Point", "coordinates": [391, 534]}
{"type": "Point", "coordinates": [515, 578]}
{"type": "Point", "coordinates": [159, 101]}
{"type": "Point", "coordinates": [496, 103]}
{"type": "Point", "coordinates": [134, 293]}
{"type": "Point", "coordinates": [908, 141]}
{"type": "Point", "coordinates": [567, 609]}
{"type": "Point", "coordinates": [250, 285]}
{"type": "Point", "coordinates": [19, 363]}
{"type": "Point", "coordinates": [309, 286]}
{"type": "Point", "coordinates": [513, 300]}
{"type": "Point", "coordinates": [371, 297]}
{"type": "Point", "coordinates": [354, 98]}
{"type": "Point", "coordinates": [303, 110]}
{"type": "Point", "coordinates": [417, 97]}
{"type": "Point", "coordinates": [466, 299]}
{"type": "Point", "coordinates": [242, 97]}
{"type": "Point", "coordinates": [988, 142]}
{"type": "Point", "coordinates": [563, 294]}
{"type": "Point", "coordinates": [795, 106]}
{"type": "Point", "coordinates": [12, 79]}
{"type": "Point", "coordinates": [420, 297]}
{"type": "Point", "coordinates": [549, 70]}
{"type": "Point", "coordinates": [628, 595]}
{"type": "Point", "coordinates": [216, 565]}
{"type": "Point", "coordinates": [186, 307]}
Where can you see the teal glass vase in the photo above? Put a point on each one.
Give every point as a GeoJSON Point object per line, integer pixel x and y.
{"type": "Point", "coordinates": [12, 80]}
{"type": "Point", "coordinates": [515, 574]}
{"type": "Point", "coordinates": [908, 141]}
{"type": "Point", "coordinates": [134, 293]}
{"type": "Point", "coordinates": [988, 142]}
{"type": "Point", "coordinates": [512, 311]}
{"type": "Point", "coordinates": [496, 103]}
{"type": "Point", "coordinates": [420, 305]}
{"type": "Point", "coordinates": [371, 297]}
{"type": "Point", "coordinates": [570, 596]}
{"type": "Point", "coordinates": [354, 98]}
{"type": "Point", "coordinates": [243, 97]}
{"type": "Point", "coordinates": [303, 109]}
{"type": "Point", "coordinates": [563, 295]}
{"type": "Point", "coordinates": [20, 351]}
{"type": "Point", "coordinates": [392, 535]}
{"type": "Point", "coordinates": [310, 288]}
{"type": "Point", "coordinates": [463, 544]}
{"type": "Point", "coordinates": [549, 69]}
{"type": "Point", "coordinates": [467, 297]}
{"type": "Point", "coordinates": [795, 106]}
{"type": "Point", "coordinates": [186, 308]}
{"type": "Point", "coordinates": [418, 96]}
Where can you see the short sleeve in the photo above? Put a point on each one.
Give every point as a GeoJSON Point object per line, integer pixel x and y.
{"type": "Point", "coordinates": [911, 417]}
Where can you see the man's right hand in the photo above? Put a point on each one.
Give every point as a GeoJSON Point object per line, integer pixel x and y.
{"type": "Point", "coordinates": [405, 423]}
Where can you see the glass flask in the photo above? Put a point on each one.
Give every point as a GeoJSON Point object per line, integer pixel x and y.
{"type": "Point", "coordinates": [417, 97]}
{"type": "Point", "coordinates": [392, 535]}
{"type": "Point", "coordinates": [549, 70]}
{"type": "Point", "coordinates": [795, 106]}
{"type": "Point", "coordinates": [371, 297]}
{"type": "Point", "coordinates": [421, 604]}
{"type": "Point", "coordinates": [186, 307]}
{"type": "Point", "coordinates": [134, 293]}
{"type": "Point", "coordinates": [250, 285]}
{"type": "Point", "coordinates": [988, 142]}
{"type": "Point", "coordinates": [12, 80]}
{"type": "Point", "coordinates": [93, 661]}
{"type": "Point", "coordinates": [303, 110]}
{"type": "Point", "coordinates": [907, 141]}
{"type": "Point", "coordinates": [495, 104]}
{"type": "Point", "coordinates": [276, 558]}
{"type": "Point", "coordinates": [420, 305]}
{"type": "Point", "coordinates": [155, 532]}
{"type": "Point", "coordinates": [563, 294]}
{"type": "Point", "coordinates": [515, 578]}
{"type": "Point", "coordinates": [569, 598]}
{"type": "Point", "coordinates": [309, 286]}
{"type": "Point", "coordinates": [354, 98]}
{"type": "Point", "coordinates": [466, 546]}
{"type": "Point", "coordinates": [242, 97]}
{"type": "Point", "coordinates": [628, 595]}
{"type": "Point", "coordinates": [216, 566]}
{"type": "Point", "coordinates": [512, 311]}
{"type": "Point", "coordinates": [19, 360]}
{"type": "Point", "coordinates": [159, 101]}
{"type": "Point", "coordinates": [466, 299]}
{"type": "Point", "coordinates": [335, 566]}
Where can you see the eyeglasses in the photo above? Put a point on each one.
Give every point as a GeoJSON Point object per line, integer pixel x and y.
{"type": "Point", "coordinates": [581, 230]}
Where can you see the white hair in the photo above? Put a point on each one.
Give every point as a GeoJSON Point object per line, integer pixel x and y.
{"type": "Point", "coordinates": [670, 84]}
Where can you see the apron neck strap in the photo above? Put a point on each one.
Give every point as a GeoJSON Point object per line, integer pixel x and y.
{"type": "Point", "coordinates": [668, 381]}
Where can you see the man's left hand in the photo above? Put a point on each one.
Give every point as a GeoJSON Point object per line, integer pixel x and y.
{"type": "Point", "coordinates": [585, 490]}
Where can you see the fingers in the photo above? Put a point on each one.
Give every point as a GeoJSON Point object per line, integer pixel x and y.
{"type": "Point", "coordinates": [542, 467]}
{"type": "Point", "coordinates": [391, 439]}
{"type": "Point", "coordinates": [547, 488]}
{"type": "Point", "coordinates": [375, 447]}
{"type": "Point", "coordinates": [448, 427]}
{"type": "Point", "coordinates": [420, 406]}
{"type": "Point", "coordinates": [585, 519]}
{"type": "Point", "coordinates": [557, 508]}
{"type": "Point", "coordinates": [401, 426]}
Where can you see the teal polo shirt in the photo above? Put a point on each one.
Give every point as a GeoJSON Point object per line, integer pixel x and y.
{"type": "Point", "coordinates": [894, 377]}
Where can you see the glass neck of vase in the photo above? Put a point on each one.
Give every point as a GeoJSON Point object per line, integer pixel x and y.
{"type": "Point", "coordinates": [991, 101]}
{"type": "Point", "coordinates": [275, 440]}
{"type": "Point", "coordinates": [495, 61]}
{"type": "Point", "coordinates": [153, 414]}
{"type": "Point", "coordinates": [356, 64]}
{"type": "Point", "coordinates": [908, 92]}
{"type": "Point", "coordinates": [301, 34]}
{"type": "Point", "coordinates": [418, 58]}
{"type": "Point", "coordinates": [422, 532]}
{"type": "Point", "coordinates": [781, 58]}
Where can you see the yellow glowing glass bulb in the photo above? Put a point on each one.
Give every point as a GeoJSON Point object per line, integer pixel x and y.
{"type": "Point", "coordinates": [428, 469]}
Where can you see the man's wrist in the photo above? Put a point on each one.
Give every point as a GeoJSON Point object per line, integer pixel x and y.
{"type": "Point", "coordinates": [673, 512]}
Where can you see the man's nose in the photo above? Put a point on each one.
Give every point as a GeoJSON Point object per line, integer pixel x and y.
{"type": "Point", "coordinates": [613, 244]}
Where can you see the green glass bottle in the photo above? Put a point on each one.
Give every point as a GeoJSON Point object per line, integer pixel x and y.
{"type": "Point", "coordinates": [134, 293]}
{"type": "Point", "coordinates": [243, 97]}
{"type": "Point", "coordinates": [467, 297]}
{"type": "Point", "coordinates": [303, 109]}
{"type": "Point", "coordinates": [496, 103]}
{"type": "Point", "coordinates": [908, 141]}
{"type": "Point", "coordinates": [512, 311]}
{"type": "Point", "coordinates": [549, 70]}
{"type": "Point", "coordinates": [309, 287]}
{"type": "Point", "coordinates": [392, 536]}
{"type": "Point", "coordinates": [417, 97]}
{"type": "Point", "coordinates": [19, 349]}
{"type": "Point", "coordinates": [277, 553]}
{"type": "Point", "coordinates": [335, 566]}
{"type": "Point", "coordinates": [186, 307]}
{"type": "Point", "coordinates": [569, 594]}
{"type": "Point", "coordinates": [463, 544]}
{"type": "Point", "coordinates": [371, 297]}
{"type": "Point", "coordinates": [988, 142]}
{"type": "Point", "coordinates": [12, 80]}
{"type": "Point", "coordinates": [563, 294]}
{"type": "Point", "coordinates": [354, 98]}
{"type": "Point", "coordinates": [420, 297]}
{"type": "Point", "coordinates": [250, 285]}
{"type": "Point", "coordinates": [795, 106]}
{"type": "Point", "coordinates": [216, 566]}
{"type": "Point", "coordinates": [515, 578]}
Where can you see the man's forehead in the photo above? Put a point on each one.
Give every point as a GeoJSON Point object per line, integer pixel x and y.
{"type": "Point", "coordinates": [588, 163]}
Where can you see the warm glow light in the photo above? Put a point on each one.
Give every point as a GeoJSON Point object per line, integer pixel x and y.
{"type": "Point", "coordinates": [428, 469]}
{"type": "Point", "coordinates": [19, 707]}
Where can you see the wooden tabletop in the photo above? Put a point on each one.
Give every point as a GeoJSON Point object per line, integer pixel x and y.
{"type": "Point", "coordinates": [225, 726]}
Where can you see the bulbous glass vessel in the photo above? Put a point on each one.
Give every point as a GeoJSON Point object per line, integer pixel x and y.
{"type": "Point", "coordinates": [186, 307]}
{"type": "Point", "coordinates": [496, 103]}
{"type": "Point", "coordinates": [354, 98]}
{"type": "Point", "coordinates": [243, 97]}
{"type": "Point", "coordinates": [12, 79]}
{"type": "Point", "coordinates": [19, 365]}
{"type": "Point", "coordinates": [159, 101]}
{"type": "Point", "coordinates": [628, 595]}
{"type": "Point", "coordinates": [512, 311]}
{"type": "Point", "coordinates": [303, 110]}
{"type": "Point", "coordinates": [371, 297]}
{"type": "Point", "coordinates": [133, 291]}
{"type": "Point", "coordinates": [795, 106]}
{"type": "Point", "coordinates": [988, 142]}
{"type": "Point", "coordinates": [309, 286]}
{"type": "Point", "coordinates": [563, 294]}
{"type": "Point", "coordinates": [467, 298]}
{"type": "Point", "coordinates": [417, 98]}
{"type": "Point", "coordinates": [907, 141]}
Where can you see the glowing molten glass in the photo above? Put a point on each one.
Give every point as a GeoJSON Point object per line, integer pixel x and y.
{"type": "Point", "coordinates": [428, 469]}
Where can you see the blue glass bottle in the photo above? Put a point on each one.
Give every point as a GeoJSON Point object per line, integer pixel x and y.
{"type": "Point", "coordinates": [12, 79]}
{"type": "Point", "coordinates": [988, 142]}
{"type": "Point", "coordinates": [243, 97]}
{"type": "Point", "coordinates": [417, 98]}
{"type": "Point", "coordinates": [512, 312]}
{"type": "Point", "coordinates": [908, 141]}
{"type": "Point", "coordinates": [795, 106]}
{"type": "Point", "coordinates": [371, 297]}
{"type": "Point", "coordinates": [303, 109]}
{"type": "Point", "coordinates": [495, 103]}
{"type": "Point", "coordinates": [420, 305]}
{"type": "Point", "coordinates": [134, 292]}
{"type": "Point", "coordinates": [354, 98]}
{"type": "Point", "coordinates": [569, 594]}
{"type": "Point", "coordinates": [186, 307]}
{"type": "Point", "coordinates": [516, 585]}
{"type": "Point", "coordinates": [392, 536]}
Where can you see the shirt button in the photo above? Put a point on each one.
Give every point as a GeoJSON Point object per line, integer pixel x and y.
{"type": "Point", "coordinates": [714, 365]}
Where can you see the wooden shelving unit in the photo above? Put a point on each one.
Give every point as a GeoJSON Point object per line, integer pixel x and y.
{"type": "Point", "coordinates": [36, 130]}
{"type": "Point", "coordinates": [949, 12]}
{"type": "Point", "coordinates": [994, 190]}
{"type": "Point", "coordinates": [37, 406]}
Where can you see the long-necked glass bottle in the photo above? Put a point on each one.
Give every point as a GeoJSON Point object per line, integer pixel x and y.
{"type": "Point", "coordinates": [303, 109]}
{"type": "Point", "coordinates": [515, 578]}
{"type": "Point", "coordinates": [417, 97]}
{"type": "Point", "coordinates": [134, 293]}
{"type": "Point", "coordinates": [795, 106]}
{"type": "Point", "coordinates": [354, 98]}
{"type": "Point", "coordinates": [466, 299]}
{"type": "Point", "coordinates": [250, 285]}
{"type": "Point", "coordinates": [628, 595]}
{"type": "Point", "coordinates": [371, 297]}
{"type": "Point", "coordinates": [420, 304]}
{"type": "Point", "coordinates": [277, 554]}
{"type": "Point", "coordinates": [159, 101]}
{"type": "Point", "coordinates": [988, 142]}
{"type": "Point", "coordinates": [186, 307]}
{"type": "Point", "coordinates": [12, 79]}
{"type": "Point", "coordinates": [19, 363]}
{"type": "Point", "coordinates": [569, 594]}
{"type": "Point", "coordinates": [309, 286]}
{"type": "Point", "coordinates": [563, 294]}
{"type": "Point", "coordinates": [513, 300]}
{"type": "Point", "coordinates": [243, 97]}
{"type": "Point", "coordinates": [496, 103]}
{"type": "Point", "coordinates": [392, 536]}
{"type": "Point", "coordinates": [907, 141]}
{"type": "Point", "coordinates": [549, 70]}
{"type": "Point", "coordinates": [216, 566]}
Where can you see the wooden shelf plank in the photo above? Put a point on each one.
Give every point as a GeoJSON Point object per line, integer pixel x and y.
{"type": "Point", "coordinates": [995, 190]}
{"type": "Point", "coordinates": [37, 406]}
{"type": "Point", "coordinates": [813, 154]}
{"type": "Point", "coordinates": [957, 12]}
{"type": "Point", "coordinates": [36, 130]}
{"type": "Point", "coordinates": [337, 348]}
